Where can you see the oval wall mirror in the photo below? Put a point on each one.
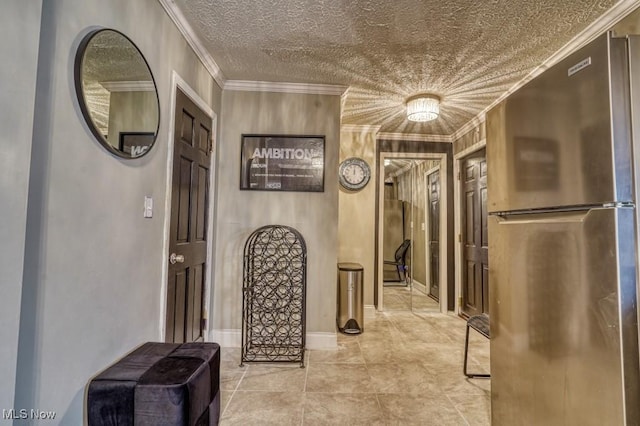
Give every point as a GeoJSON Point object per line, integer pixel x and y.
{"type": "Point", "coordinates": [117, 93]}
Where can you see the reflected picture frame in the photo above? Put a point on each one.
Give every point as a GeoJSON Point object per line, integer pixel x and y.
{"type": "Point", "coordinates": [135, 144]}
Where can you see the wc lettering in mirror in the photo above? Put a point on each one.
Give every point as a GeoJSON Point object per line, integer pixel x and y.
{"type": "Point", "coordinates": [117, 93]}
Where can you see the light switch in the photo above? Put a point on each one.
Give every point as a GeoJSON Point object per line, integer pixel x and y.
{"type": "Point", "coordinates": [148, 207]}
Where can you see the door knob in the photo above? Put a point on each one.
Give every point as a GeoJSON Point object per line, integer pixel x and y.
{"type": "Point", "coordinates": [176, 258]}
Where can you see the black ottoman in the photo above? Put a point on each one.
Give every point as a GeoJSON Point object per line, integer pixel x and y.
{"type": "Point", "coordinates": [159, 384]}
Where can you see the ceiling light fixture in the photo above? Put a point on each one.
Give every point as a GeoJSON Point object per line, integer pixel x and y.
{"type": "Point", "coordinates": [423, 107]}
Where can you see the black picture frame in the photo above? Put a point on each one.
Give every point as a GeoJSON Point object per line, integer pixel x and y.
{"type": "Point", "coordinates": [135, 144]}
{"type": "Point", "coordinates": [282, 163]}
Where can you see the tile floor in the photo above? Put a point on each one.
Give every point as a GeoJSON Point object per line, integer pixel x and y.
{"type": "Point", "coordinates": [405, 369]}
{"type": "Point", "coordinates": [402, 298]}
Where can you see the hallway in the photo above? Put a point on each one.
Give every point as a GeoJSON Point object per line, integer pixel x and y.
{"type": "Point", "coordinates": [405, 369]}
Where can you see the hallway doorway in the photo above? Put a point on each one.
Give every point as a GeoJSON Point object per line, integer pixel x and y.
{"type": "Point", "coordinates": [432, 216]}
{"type": "Point", "coordinates": [404, 216]}
{"type": "Point", "coordinates": [189, 215]}
{"type": "Point", "coordinates": [474, 235]}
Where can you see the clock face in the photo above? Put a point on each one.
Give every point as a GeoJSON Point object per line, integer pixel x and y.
{"type": "Point", "coordinates": [354, 173]}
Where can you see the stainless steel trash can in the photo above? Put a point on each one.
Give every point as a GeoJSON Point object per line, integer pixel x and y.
{"type": "Point", "coordinates": [350, 309]}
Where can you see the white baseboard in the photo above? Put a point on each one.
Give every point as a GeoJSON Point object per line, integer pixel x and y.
{"type": "Point", "coordinates": [369, 310]}
{"type": "Point", "coordinates": [418, 285]}
{"type": "Point", "coordinates": [319, 340]}
{"type": "Point", "coordinates": [232, 338]}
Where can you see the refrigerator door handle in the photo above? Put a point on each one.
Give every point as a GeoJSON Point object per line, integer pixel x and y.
{"type": "Point", "coordinates": [556, 217]}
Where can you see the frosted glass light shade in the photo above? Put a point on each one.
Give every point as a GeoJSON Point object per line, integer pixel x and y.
{"type": "Point", "coordinates": [423, 107]}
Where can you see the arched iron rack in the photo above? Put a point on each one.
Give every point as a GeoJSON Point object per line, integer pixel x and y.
{"type": "Point", "coordinates": [274, 291]}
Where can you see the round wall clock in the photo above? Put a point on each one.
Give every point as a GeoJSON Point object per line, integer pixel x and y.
{"type": "Point", "coordinates": [354, 173]}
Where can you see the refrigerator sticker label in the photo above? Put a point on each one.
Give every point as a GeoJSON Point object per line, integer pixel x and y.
{"type": "Point", "coordinates": [579, 66]}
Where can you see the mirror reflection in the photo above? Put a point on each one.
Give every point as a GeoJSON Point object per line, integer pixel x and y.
{"type": "Point", "coordinates": [397, 236]}
{"type": "Point", "coordinates": [117, 93]}
{"type": "Point", "coordinates": [411, 230]}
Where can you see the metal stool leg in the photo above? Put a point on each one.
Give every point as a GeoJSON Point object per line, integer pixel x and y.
{"type": "Point", "coordinates": [466, 350]}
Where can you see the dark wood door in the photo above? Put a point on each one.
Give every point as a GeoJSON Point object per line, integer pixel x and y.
{"type": "Point", "coordinates": [475, 269]}
{"type": "Point", "coordinates": [189, 222]}
{"type": "Point", "coordinates": [433, 186]}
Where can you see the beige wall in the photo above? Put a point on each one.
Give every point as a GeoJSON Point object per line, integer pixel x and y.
{"type": "Point", "coordinates": [470, 138]}
{"type": "Point", "coordinates": [629, 25]}
{"type": "Point", "coordinates": [393, 232]}
{"type": "Point", "coordinates": [410, 191]}
{"type": "Point", "coordinates": [239, 213]}
{"type": "Point", "coordinates": [19, 39]}
{"type": "Point", "coordinates": [356, 216]}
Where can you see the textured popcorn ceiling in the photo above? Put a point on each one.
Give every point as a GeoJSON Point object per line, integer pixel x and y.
{"type": "Point", "coordinates": [395, 167]}
{"type": "Point", "coordinates": [468, 52]}
{"type": "Point", "coordinates": [111, 57]}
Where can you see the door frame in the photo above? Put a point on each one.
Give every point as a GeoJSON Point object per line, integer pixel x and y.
{"type": "Point", "coordinates": [427, 227]}
{"type": "Point", "coordinates": [443, 228]}
{"type": "Point", "coordinates": [177, 82]}
{"type": "Point", "coordinates": [457, 214]}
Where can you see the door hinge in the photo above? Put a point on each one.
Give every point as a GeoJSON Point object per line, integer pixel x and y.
{"type": "Point", "coordinates": [459, 175]}
{"type": "Point", "coordinates": [459, 238]}
{"type": "Point", "coordinates": [203, 324]}
{"type": "Point", "coordinates": [459, 302]}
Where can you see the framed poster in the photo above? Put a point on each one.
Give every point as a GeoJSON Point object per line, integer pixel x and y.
{"type": "Point", "coordinates": [136, 143]}
{"type": "Point", "coordinates": [282, 163]}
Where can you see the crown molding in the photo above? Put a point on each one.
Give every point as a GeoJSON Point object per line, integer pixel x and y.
{"type": "Point", "coordinates": [593, 30]}
{"type": "Point", "coordinates": [344, 96]}
{"type": "Point", "coordinates": [343, 101]}
{"type": "Point", "coordinates": [129, 86]}
{"type": "Point", "coordinates": [400, 171]}
{"type": "Point", "coordinates": [474, 123]}
{"type": "Point", "coordinates": [193, 40]}
{"type": "Point", "coordinates": [282, 87]}
{"type": "Point", "coordinates": [359, 128]}
{"type": "Point", "coordinates": [416, 137]}
{"type": "Point", "coordinates": [596, 28]}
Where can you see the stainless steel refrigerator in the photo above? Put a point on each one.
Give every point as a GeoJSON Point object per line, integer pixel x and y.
{"type": "Point", "coordinates": [563, 256]}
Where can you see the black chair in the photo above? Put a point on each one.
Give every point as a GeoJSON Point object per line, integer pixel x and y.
{"type": "Point", "coordinates": [400, 261]}
{"type": "Point", "coordinates": [479, 323]}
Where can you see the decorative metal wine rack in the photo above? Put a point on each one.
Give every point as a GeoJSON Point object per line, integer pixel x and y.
{"type": "Point", "coordinates": [274, 289]}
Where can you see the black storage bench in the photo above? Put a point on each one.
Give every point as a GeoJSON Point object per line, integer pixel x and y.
{"type": "Point", "coordinates": [159, 384]}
